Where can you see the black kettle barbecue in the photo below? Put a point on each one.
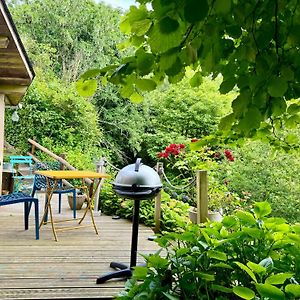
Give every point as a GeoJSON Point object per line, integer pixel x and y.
{"type": "Point", "coordinates": [137, 182]}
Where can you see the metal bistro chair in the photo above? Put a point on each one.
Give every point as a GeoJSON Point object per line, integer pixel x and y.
{"type": "Point", "coordinates": [20, 197]}
{"type": "Point", "coordinates": [40, 183]}
{"type": "Point", "coordinates": [23, 177]}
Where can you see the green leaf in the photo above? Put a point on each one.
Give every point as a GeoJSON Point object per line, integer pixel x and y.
{"type": "Point", "coordinates": [146, 84]}
{"type": "Point", "coordinates": [217, 255]}
{"type": "Point", "coordinates": [287, 73]}
{"type": "Point", "coordinates": [293, 289]}
{"type": "Point", "coordinates": [196, 80]}
{"type": "Point", "coordinates": [256, 268]}
{"type": "Point", "coordinates": [246, 217]}
{"type": "Point", "coordinates": [141, 27]}
{"type": "Point", "coordinates": [169, 296]}
{"type": "Point", "coordinates": [243, 292]}
{"type": "Point", "coordinates": [227, 85]}
{"type": "Point", "coordinates": [278, 106]}
{"type": "Point", "coordinates": [293, 109]}
{"type": "Point", "coordinates": [240, 103]}
{"type": "Point", "coordinates": [195, 10]}
{"type": "Point", "coordinates": [279, 278]}
{"type": "Point", "coordinates": [222, 265]}
{"type": "Point", "coordinates": [226, 122]}
{"type": "Point", "coordinates": [262, 209]}
{"type": "Point", "coordinates": [220, 288]}
{"type": "Point", "coordinates": [247, 270]}
{"type": "Point", "coordinates": [251, 120]}
{"type": "Point", "coordinates": [277, 87]}
{"type": "Point", "coordinates": [293, 121]}
{"type": "Point", "coordinates": [253, 232]}
{"type": "Point", "coordinates": [127, 90]}
{"type": "Point", "coordinates": [168, 25]}
{"type": "Point", "coordinates": [292, 139]}
{"type": "Point", "coordinates": [270, 291]}
{"type": "Point", "coordinates": [161, 42]}
{"type": "Point", "coordinates": [144, 62]}
{"type": "Point", "coordinates": [157, 262]}
{"type": "Point", "coordinates": [90, 74]}
{"type": "Point", "coordinates": [205, 276]}
{"type": "Point", "coordinates": [222, 6]}
{"type": "Point", "coordinates": [136, 98]}
{"type": "Point", "coordinates": [140, 273]}
{"type": "Point", "coordinates": [229, 221]}
{"type": "Point", "coordinates": [86, 88]}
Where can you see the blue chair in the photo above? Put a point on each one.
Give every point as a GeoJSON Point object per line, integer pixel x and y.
{"type": "Point", "coordinates": [27, 200]}
{"type": "Point", "coordinates": [23, 176]}
{"type": "Point", "coordinates": [40, 183]}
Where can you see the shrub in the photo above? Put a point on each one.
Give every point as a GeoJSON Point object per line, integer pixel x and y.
{"type": "Point", "coordinates": [246, 256]}
{"type": "Point", "coordinates": [262, 173]}
{"type": "Point", "coordinates": [175, 215]}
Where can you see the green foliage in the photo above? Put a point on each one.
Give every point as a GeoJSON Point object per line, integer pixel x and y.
{"type": "Point", "coordinates": [253, 45]}
{"type": "Point", "coordinates": [248, 255]}
{"type": "Point", "coordinates": [61, 40]}
{"type": "Point", "coordinates": [62, 122]}
{"type": "Point", "coordinates": [72, 30]}
{"type": "Point", "coordinates": [262, 173]}
{"type": "Point", "coordinates": [175, 216]}
{"type": "Point", "coordinates": [177, 113]}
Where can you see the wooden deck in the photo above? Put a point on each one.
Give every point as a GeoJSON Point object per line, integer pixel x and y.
{"type": "Point", "coordinates": [67, 269]}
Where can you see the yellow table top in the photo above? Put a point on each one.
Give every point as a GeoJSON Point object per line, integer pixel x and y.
{"type": "Point", "coordinates": [70, 174]}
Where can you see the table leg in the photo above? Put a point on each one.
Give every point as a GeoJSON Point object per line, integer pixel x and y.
{"type": "Point", "coordinates": [49, 191]}
{"type": "Point", "coordinates": [89, 205]}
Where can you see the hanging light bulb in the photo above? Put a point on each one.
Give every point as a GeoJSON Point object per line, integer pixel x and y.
{"type": "Point", "coordinates": [15, 117]}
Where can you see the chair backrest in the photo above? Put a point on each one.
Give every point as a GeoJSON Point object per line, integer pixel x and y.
{"type": "Point", "coordinates": [19, 161]}
{"type": "Point", "coordinates": [40, 181]}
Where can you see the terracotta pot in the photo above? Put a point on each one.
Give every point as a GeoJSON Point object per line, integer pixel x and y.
{"type": "Point", "coordinates": [79, 201]}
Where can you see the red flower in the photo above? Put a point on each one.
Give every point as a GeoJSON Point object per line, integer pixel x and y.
{"type": "Point", "coordinates": [229, 155]}
{"type": "Point", "coordinates": [176, 152]}
{"type": "Point", "coordinates": [181, 146]}
{"type": "Point", "coordinates": [194, 140]}
{"type": "Point", "coordinates": [231, 158]}
{"type": "Point", "coordinates": [166, 154]}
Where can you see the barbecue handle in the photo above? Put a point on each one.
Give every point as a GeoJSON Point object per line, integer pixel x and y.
{"type": "Point", "coordinates": [137, 164]}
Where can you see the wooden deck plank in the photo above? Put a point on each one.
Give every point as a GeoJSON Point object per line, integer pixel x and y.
{"type": "Point", "coordinates": [67, 269]}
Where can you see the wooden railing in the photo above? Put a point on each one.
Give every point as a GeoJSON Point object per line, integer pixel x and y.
{"type": "Point", "coordinates": [100, 167]}
{"type": "Point", "coordinates": [63, 162]}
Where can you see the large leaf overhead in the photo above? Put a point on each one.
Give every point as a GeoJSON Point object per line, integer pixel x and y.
{"type": "Point", "coordinates": [253, 45]}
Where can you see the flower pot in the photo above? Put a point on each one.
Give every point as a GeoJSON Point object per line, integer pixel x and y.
{"type": "Point", "coordinates": [193, 215]}
{"type": "Point", "coordinates": [213, 216]}
{"type": "Point", "coordinates": [79, 201]}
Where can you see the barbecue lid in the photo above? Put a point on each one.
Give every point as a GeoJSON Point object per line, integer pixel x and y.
{"type": "Point", "coordinates": [137, 175]}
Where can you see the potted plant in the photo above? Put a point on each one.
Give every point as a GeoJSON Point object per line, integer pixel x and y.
{"type": "Point", "coordinates": [80, 199]}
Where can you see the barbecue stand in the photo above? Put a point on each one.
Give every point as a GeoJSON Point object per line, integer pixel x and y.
{"type": "Point", "coordinates": [137, 182]}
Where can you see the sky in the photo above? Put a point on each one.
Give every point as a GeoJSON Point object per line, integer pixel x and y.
{"type": "Point", "coordinates": [125, 4]}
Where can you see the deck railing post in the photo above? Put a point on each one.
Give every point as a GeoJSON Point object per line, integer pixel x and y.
{"type": "Point", "coordinates": [202, 196]}
{"type": "Point", "coordinates": [157, 212]}
{"type": "Point", "coordinates": [63, 156]}
{"type": "Point", "coordinates": [100, 168]}
{"type": "Point", "coordinates": [2, 114]}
